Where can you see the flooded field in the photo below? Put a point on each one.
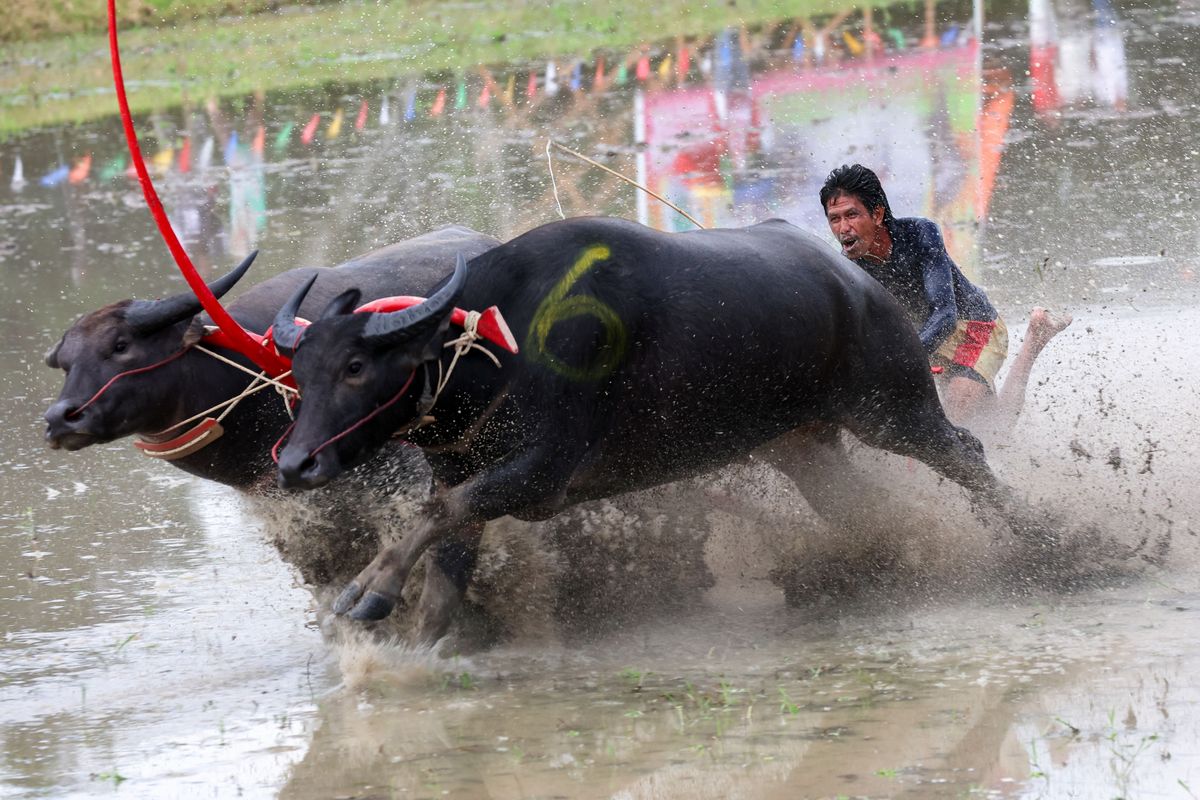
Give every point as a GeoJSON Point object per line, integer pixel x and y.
{"type": "Point", "coordinates": [156, 643]}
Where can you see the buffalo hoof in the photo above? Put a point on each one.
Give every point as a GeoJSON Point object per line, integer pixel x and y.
{"type": "Point", "coordinates": [372, 607]}
{"type": "Point", "coordinates": [347, 598]}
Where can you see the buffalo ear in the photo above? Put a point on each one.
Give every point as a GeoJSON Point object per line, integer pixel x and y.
{"type": "Point", "coordinates": [344, 303]}
{"type": "Point", "coordinates": [435, 343]}
{"type": "Point", "coordinates": [194, 333]}
{"type": "Point", "coordinates": [52, 354]}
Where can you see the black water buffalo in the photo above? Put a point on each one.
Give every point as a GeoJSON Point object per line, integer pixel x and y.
{"type": "Point", "coordinates": [645, 357]}
{"type": "Point", "coordinates": [138, 334]}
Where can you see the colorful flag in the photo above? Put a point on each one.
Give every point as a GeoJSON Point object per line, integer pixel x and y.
{"type": "Point", "coordinates": [310, 130]}
{"type": "Point", "coordinates": [55, 176]}
{"type": "Point", "coordinates": [643, 68]}
{"type": "Point", "coordinates": [335, 127]}
{"type": "Point", "coordinates": [80, 171]}
{"type": "Point", "coordinates": [184, 162]}
{"type": "Point", "coordinates": [281, 138]}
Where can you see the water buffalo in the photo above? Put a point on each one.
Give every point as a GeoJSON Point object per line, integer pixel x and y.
{"type": "Point", "coordinates": [645, 357]}
{"type": "Point", "coordinates": [148, 335]}
{"type": "Point", "coordinates": [327, 537]}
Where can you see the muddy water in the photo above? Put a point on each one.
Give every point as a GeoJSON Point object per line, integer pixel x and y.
{"type": "Point", "coordinates": [155, 645]}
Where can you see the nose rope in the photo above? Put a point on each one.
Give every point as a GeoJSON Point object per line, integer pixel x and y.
{"type": "Point", "coordinates": [127, 373]}
{"type": "Point", "coordinates": [352, 428]}
{"type": "Point", "coordinates": [462, 344]}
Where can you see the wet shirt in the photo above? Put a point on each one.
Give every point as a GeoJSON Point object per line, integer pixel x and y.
{"type": "Point", "coordinates": [920, 274]}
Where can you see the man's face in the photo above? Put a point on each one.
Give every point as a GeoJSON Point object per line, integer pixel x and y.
{"type": "Point", "coordinates": [854, 226]}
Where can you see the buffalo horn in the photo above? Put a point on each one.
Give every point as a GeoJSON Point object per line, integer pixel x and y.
{"type": "Point", "coordinates": [285, 331]}
{"type": "Point", "coordinates": [147, 316]}
{"type": "Point", "coordinates": [387, 328]}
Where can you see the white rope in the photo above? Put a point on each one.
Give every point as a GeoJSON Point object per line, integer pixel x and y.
{"type": "Point", "coordinates": [463, 344]}
{"type": "Point", "coordinates": [260, 382]}
{"type": "Point", "coordinates": [282, 388]}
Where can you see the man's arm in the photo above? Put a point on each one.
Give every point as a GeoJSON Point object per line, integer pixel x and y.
{"type": "Point", "coordinates": [938, 276]}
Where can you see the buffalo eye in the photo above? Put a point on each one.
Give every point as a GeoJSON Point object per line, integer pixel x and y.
{"type": "Point", "coordinates": [120, 346]}
{"type": "Point", "coordinates": [354, 367]}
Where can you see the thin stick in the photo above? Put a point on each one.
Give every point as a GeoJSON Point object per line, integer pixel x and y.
{"type": "Point", "coordinates": [553, 183]}
{"type": "Point", "coordinates": [630, 181]}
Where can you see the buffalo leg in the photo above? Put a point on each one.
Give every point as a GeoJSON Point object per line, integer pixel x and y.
{"type": "Point", "coordinates": [448, 570]}
{"type": "Point", "coordinates": [533, 478]}
{"type": "Point", "coordinates": [955, 453]}
{"type": "Point", "coordinates": [816, 462]}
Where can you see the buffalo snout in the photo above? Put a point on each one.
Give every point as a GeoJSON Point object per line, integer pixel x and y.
{"type": "Point", "coordinates": [299, 469]}
{"type": "Point", "coordinates": [64, 427]}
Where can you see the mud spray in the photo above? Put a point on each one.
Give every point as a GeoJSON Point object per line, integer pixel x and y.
{"type": "Point", "coordinates": [1100, 454]}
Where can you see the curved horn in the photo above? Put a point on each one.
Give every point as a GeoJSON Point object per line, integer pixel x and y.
{"type": "Point", "coordinates": [386, 328]}
{"type": "Point", "coordinates": [285, 332]}
{"type": "Point", "coordinates": [146, 316]}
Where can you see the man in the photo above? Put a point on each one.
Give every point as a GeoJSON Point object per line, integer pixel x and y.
{"type": "Point", "coordinates": [958, 325]}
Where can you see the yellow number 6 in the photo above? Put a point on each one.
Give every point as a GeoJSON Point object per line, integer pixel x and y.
{"type": "Point", "coordinates": [557, 307]}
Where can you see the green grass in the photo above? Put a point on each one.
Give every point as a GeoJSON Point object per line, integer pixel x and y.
{"type": "Point", "coordinates": [67, 79]}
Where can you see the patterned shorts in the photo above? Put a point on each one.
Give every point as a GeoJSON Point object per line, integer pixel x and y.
{"type": "Point", "coordinates": [975, 350]}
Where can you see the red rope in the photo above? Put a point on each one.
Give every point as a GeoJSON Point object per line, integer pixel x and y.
{"type": "Point", "coordinates": [124, 374]}
{"type": "Point", "coordinates": [263, 357]}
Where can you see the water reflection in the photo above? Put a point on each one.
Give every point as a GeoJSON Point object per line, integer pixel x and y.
{"type": "Point", "coordinates": [1081, 63]}
{"type": "Point", "coordinates": [734, 127]}
{"type": "Point", "coordinates": [759, 138]}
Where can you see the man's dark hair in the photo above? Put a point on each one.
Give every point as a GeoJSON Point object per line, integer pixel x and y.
{"type": "Point", "coordinates": [856, 181]}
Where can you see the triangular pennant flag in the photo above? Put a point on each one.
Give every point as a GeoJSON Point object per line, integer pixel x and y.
{"type": "Point", "coordinates": [162, 160]}
{"type": "Point", "coordinates": [853, 45]}
{"type": "Point", "coordinates": [206, 153]}
{"type": "Point", "coordinates": [460, 95]}
{"type": "Point", "coordinates": [485, 96]}
{"type": "Point", "coordinates": [281, 138]}
{"type": "Point", "coordinates": [112, 168]}
{"type": "Point", "coordinates": [643, 68]}
{"type": "Point", "coordinates": [80, 171]}
{"type": "Point", "coordinates": [684, 63]}
{"type": "Point", "coordinates": [410, 105]}
{"type": "Point", "coordinates": [664, 68]}
{"type": "Point", "coordinates": [55, 176]}
{"type": "Point", "coordinates": [510, 89]}
{"type": "Point", "coordinates": [184, 163]}
{"type": "Point", "coordinates": [361, 121]}
{"type": "Point", "coordinates": [385, 111]}
{"type": "Point", "coordinates": [439, 104]}
{"type": "Point", "coordinates": [310, 130]}
{"type": "Point", "coordinates": [335, 127]}
{"type": "Point", "coordinates": [18, 178]}
{"type": "Point", "coordinates": [577, 76]}
{"type": "Point", "coordinates": [531, 86]}
{"type": "Point", "coordinates": [231, 146]}
{"type": "Point", "coordinates": [260, 140]}
{"type": "Point", "coordinates": [598, 79]}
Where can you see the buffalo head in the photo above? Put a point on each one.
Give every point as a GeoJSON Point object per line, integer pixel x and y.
{"type": "Point", "coordinates": [121, 338]}
{"type": "Point", "coordinates": [360, 377]}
